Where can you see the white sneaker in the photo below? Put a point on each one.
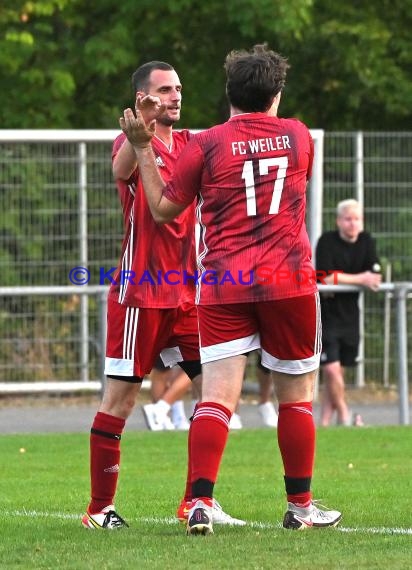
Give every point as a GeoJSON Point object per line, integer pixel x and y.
{"type": "Point", "coordinates": [200, 518]}
{"type": "Point", "coordinates": [156, 418]}
{"type": "Point", "coordinates": [235, 422]}
{"type": "Point", "coordinates": [179, 419]}
{"type": "Point", "coordinates": [218, 514]}
{"type": "Point", "coordinates": [220, 517]}
{"type": "Point", "coordinates": [298, 518]}
{"type": "Point", "coordinates": [268, 414]}
{"type": "Point", "coordinates": [106, 519]}
{"type": "Point", "coordinates": [182, 424]}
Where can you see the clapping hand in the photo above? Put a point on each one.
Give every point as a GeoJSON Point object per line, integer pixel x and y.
{"type": "Point", "coordinates": [136, 130]}
{"type": "Point", "coordinates": [149, 106]}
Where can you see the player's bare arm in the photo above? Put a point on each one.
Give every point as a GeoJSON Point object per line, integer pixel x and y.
{"type": "Point", "coordinates": [124, 163]}
{"type": "Point", "coordinates": [139, 135]}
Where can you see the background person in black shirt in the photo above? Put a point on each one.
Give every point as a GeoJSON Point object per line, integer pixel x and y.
{"type": "Point", "coordinates": [351, 250]}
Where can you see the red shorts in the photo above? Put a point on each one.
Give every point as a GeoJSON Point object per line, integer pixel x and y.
{"type": "Point", "coordinates": [136, 337]}
{"type": "Point", "coordinates": [183, 343]}
{"type": "Point", "coordinates": [288, 332]}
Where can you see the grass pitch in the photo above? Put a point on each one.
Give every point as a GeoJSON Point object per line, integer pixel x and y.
{"type": "Point", "coordinates": [364, 472]}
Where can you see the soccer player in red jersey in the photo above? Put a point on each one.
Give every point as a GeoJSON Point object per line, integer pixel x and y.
{"type": "Point", "coordinates": [150, 307]}
{"type": "Point", "coordinates": [256, 288]}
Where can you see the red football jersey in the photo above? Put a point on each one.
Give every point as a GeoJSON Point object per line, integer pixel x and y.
{"type": "Point", "coordinates": [154, 257]}
{"type": "Point", "coordinates": [250, 175]}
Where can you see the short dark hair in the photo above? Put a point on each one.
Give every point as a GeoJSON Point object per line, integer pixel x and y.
{"type": "Point", "coordinates": [254, 78]}
{"type": "Point", "coordinates": [141, 77]}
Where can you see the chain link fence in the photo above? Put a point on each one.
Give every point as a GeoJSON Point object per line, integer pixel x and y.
{"type": "Point", "coordinates": [59, 209]}
{"type": "Point", "coordinates": [376, 169]}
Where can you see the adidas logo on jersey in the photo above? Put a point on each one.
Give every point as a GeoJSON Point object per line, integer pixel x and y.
{"type": "Point", "coordinates": [159, 161]}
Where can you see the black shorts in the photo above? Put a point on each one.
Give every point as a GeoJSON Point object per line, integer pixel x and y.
{"type": "Point", "coordinates": [338, 346]}
{"type": "Point", "coordinates": [158, 365]}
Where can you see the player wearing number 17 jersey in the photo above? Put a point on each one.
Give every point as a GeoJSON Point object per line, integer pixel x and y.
{"type": "Point", "coordinates": [249, 176]}
{"type": "Point", "coordinates": [252, 197]}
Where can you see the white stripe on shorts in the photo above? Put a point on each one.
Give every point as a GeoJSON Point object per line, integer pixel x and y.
{"type": "Point", "coordinates": [118, 367]}
{"type": "Point", "coordinates": [229, 348]}
{"type": "Point", "coordinates": [130, 330]}
{"type": "Point", "coordinates": [290, 366]}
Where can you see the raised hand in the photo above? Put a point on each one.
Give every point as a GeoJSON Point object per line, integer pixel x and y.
{"type": "Point", "coordinates": [135, 128]}
{"type": "Point", "coordinates": [149, 106]}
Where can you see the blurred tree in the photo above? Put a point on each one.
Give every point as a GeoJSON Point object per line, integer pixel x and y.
{"type": "Point", "coordinates": [37, 86]}
{"type": "Point", "coordinates": [353, 68]}
{"type": "Point", "coordinates": [67, 63]}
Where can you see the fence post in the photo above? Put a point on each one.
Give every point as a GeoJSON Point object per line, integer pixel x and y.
{"type": "Point", "coordinates": [387, 328]}
{"type": "Point", "coordinates": [359, 180]}
{"type": "Point", "coordinates": [83, 256]}
{"type": "Point", "coordinates": [315, 198]}
{"type": "Point", "coordinates": [400, 293]}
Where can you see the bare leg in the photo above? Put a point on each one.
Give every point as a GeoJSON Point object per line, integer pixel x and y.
{"type": "Point", "coordinates": [265, 386]}
{"type": "Point", "coordinates": [176, 384]}
{"type": "Point", "coordinates": [159, 383]}
{"type": "Point", "coordinates": [179, 384]}
{"type": "Point", "coordinates": [294, 387]}
{"type": "Point", "coordinates": [119, 398]}
{"type": "Point", "coordinates": [335, 382]}
{"type": "Point", "coordinates": [222, 381]}
{"type": "Point", "coordinates": [266, 407]}
{"type": "Point", "coordinates": [327, 409]}
{"type": "Point", "coordinates": [169, 385]}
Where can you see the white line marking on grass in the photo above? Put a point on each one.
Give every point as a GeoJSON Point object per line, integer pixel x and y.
{"type": "Point", "coordinates": [370, 530]}
{"type": "Point", "coordinates": [156, 520]}
{"type": "Point", "coordinates": [173, 521]}
{"type": "Point", "coordinates": [70, 516]}
{"type": "Point", "coordinates": [377, 530]}
{"type": "Point", "coordinates": [26, 513]}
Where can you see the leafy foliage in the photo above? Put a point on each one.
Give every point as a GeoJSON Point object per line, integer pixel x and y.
{"type": "Point", "coordinates": [67, 63]}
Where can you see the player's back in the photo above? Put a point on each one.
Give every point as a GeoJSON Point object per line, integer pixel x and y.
{"type": "Point", "coordinates": [252, 205]}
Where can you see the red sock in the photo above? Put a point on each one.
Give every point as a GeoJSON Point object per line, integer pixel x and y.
{"type": "Point", "coordinates": [188, 489]}
{"type": "Point", "coordinates": [104, 460]}
{"type": "Point", "coordinates": [210, 428]}
{"type": "Point", "coordinates": [296, 438]}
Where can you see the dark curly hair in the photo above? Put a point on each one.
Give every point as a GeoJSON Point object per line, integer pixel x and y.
{"type": "Point", "coordinates": [254, 77]}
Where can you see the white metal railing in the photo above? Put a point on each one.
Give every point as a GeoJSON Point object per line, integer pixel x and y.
{"type": "Point", "coordinates": [400, 292]}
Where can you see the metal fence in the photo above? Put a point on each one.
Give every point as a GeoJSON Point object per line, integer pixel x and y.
{"type": "Point", "coordinates": [376, 169]}
{"type": "Point", "coordinates": [59, 209]}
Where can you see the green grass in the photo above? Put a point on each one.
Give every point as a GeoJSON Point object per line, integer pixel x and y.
{"type": "Point", "coordinates": [51, 478]}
